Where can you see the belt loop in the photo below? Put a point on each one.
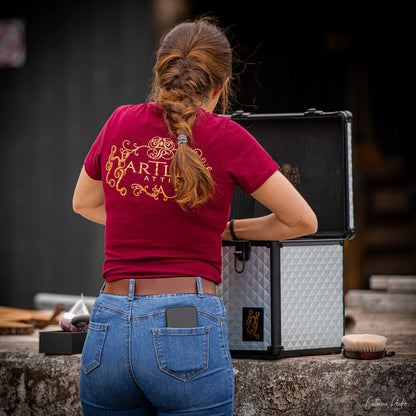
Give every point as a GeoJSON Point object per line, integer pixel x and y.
{"type": "Point", "coordinates": [102, 288]}
{"type": "Point", "coordinates": [199, 285]}
{"type": "Point", "coordinates": [131, 288]}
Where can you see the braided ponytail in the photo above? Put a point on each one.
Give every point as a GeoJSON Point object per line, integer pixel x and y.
{"type": "Point", "coordinates": [194, 60]}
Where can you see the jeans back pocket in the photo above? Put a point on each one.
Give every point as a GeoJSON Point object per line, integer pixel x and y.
{"type": "Point", "coordinates": [182, 352]}
{"type": "Point", "coordinates": [91, 353]}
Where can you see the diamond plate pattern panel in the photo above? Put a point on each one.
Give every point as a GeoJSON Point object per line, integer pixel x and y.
{"type": "Point", "coordinates": [248, 289]}
{"type": "Point", "coordinates": [312, 310]}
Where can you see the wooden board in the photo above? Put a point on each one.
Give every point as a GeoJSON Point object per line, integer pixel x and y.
{"type": "Point", "coordinates": [14, 321]}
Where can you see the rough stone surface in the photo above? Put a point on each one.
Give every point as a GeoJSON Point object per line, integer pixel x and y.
{"type": "Point", "coordinates": [38, 384]}
{"type": "Point", "coordinates": [329, 385]}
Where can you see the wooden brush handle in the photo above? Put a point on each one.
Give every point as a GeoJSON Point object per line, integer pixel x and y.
{"type": "Point", "coordinates": [364, 355]}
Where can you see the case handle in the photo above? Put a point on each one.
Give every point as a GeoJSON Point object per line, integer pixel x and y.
{"type": "Point", "coordinates": [240, 113]}
{"type": "Point", "coordinates": [313, 112]}
{"type": "Point", "coordinates": [242, 253]}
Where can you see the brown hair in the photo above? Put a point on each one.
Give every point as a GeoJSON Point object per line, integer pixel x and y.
{"type": "Point", "coordinates": [194, 59]}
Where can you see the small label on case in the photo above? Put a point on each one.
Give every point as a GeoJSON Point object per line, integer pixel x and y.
{"type": "Point", "coordinates": [253, 324]}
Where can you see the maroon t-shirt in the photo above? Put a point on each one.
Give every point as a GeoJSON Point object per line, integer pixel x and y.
{"type": "Point", "coordinates": [147, 234]}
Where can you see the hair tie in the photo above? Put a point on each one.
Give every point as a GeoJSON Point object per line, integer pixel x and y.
{"type": "Point", "coordinates": [182, 139]}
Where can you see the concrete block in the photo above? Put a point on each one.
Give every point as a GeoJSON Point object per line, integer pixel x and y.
{"type": "Point", "coordinates": [405, 284]}
{"type": "Point", "coordinates": [381, 302]}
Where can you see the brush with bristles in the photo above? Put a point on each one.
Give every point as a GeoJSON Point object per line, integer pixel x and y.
{"type": "Point", "coordinates": [365, 346]}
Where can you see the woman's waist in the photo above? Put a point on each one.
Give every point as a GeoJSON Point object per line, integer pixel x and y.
{"type": "Point", "coordinates": [160, 286]}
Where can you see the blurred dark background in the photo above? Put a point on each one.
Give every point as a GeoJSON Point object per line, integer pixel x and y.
{"type": "Point", "coordinates": [82, 59]}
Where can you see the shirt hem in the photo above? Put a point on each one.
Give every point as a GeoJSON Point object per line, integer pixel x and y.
{"type": "Point", "coordinates": [260, 180]}
{"type": "Point", "coordinates": [119, 277]}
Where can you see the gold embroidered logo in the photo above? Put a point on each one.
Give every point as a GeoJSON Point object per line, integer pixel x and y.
{"type": "Point", "coordinates": [149, 162]}
{"type": "Point", "coordinates": [253, 324]}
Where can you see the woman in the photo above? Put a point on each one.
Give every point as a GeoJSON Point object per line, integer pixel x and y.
{"type": "Point", "coordinates": [160, 176]}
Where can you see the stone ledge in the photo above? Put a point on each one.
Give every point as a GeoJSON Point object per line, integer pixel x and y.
{"type": "Point", "coordinates": [327, 385]}
{"type": "Point", "coordinates": [37, 384]}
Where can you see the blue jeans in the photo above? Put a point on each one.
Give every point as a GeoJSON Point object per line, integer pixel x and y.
{"type": "Point", "coordinates": [132, 364]}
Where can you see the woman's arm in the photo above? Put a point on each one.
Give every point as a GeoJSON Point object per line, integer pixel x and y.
{"type": "Point", "coordinates": [88, 199]}
{"type": "Point", "coordinates": [291, 215]}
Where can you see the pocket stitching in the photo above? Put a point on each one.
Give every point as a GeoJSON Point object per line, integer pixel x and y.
{"type": "Point", "coordinates": [205, 332]}
{"type": "Point", "coordinates": [97, 361]}
{"type": "Point", "coordinates": [209, 316]}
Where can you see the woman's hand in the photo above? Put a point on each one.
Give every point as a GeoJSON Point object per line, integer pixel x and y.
{"type": "Point", "coordinates": [226, 234]}
{"type": "Point", "coordinates": [291, 215]}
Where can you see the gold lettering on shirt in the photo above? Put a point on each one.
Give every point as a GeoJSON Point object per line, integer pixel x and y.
{"type": "Point", "coordinates": [148, 163]}
{"type": "Point", "coordinates": [143, 168]}
{"type": "Point", "coordinates": [131, 166]}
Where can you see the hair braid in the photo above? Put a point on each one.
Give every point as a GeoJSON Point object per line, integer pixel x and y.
{"type": "Point", "coordinates": [194, 59]}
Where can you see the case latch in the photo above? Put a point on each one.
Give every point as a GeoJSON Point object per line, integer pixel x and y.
{"type": "Point", "coordinates": [242, 254]}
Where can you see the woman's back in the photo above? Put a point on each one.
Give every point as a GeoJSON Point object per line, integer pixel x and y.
{"type": "Point", "coordinates": [147, 233]}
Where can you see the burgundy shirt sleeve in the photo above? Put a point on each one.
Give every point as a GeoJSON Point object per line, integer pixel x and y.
{"type": "Point", "coordinates": [92, 162]}
{"type": "Point", "coordinates": [245, 160]}
{"type": "Point", "coordinates": [93, 159]}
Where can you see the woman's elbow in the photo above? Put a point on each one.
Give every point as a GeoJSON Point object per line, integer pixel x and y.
{"type": "Point", "coordinates": [77, 206]}
{"type": "Point", "coordinates": [309, 223]}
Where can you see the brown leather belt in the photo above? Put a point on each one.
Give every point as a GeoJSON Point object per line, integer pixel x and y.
{"type": "Point", "coordinates": [160, 286]}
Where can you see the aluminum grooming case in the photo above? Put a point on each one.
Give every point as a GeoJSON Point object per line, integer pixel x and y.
{"type": "Point", "coordinates": [286, 298]}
